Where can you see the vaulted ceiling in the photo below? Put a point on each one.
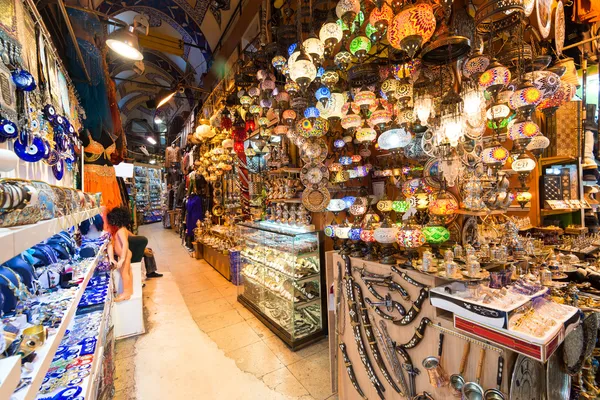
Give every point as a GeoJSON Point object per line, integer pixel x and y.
{"type": "Point", "coordinates": [199, 24]}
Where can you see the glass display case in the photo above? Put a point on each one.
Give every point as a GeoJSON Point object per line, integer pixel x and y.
{"type": "Point", "coordinates": [148, 193]}
{"type": "Point", "coordinates": [282, 283]}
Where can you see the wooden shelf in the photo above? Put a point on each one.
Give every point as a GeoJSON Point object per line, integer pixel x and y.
{"type": "Point", "coordinates": [479, 213]}
{"type": "Point", "coordinates": [557, 160]}
{"type": "Point", "coordinates": [557, 212]}
{"type": "Point", "coordinates": [284, 170]}
{"type": "Point", "coordinates": [285, 200]}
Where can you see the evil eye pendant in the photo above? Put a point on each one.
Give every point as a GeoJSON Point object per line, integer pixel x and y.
{"type": "Point", "coordinates": [23, 80]}
{"type": "Point", "coordinates": [53, 157]}
{"type": "Point", "coordinates": [8, 129]}
{"type": "Point", "coordinates": [58, 170]}
{"type": "Point", "coordinates": [49, 112]}
{"type": "Point", "coordinates": [60, 120]}
{"type": "Point", "coordinates": [29, 150]}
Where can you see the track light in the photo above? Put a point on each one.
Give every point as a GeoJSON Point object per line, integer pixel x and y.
{"type": "Point", "coordinates": [164, 96]}
{"type": "Point", "coordinates": [150, 139]}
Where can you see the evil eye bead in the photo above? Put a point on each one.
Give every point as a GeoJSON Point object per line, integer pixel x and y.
{"type": "Point", "coordinates": [60, 120]}
{"type": "Point", "coordinates": [30, 151]}
{"type": "Point", "coordinates": [8, 129]}
{"type": "Point", "coordinates": [23, 80]}
{"type": "Point", "coordinates": [58, 169]}
{"type": "Point", "coordinates": [49, 112]}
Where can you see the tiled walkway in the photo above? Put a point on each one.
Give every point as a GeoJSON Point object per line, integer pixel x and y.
{"type": "Point", "coordinates": [202, 344]}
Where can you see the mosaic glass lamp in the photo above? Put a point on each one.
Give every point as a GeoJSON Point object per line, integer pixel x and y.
{"type": "Point", "coordinates": [411, 28]}
{"type": "Point", "coordinates": [331, 34]}
{"type": "Point", "coordinates": [394, 138]}
{"type": "Point", "coordinates": [360, 47]}
{"type": "Point", "coordinates": [436, 234]}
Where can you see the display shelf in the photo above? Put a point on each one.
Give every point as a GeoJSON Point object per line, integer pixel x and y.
{"type": "Point", "coordinates": [479, 213]}
{"type": "Point", "coordinates": [557, 160]}
{"type": "Point", "coordinates": [284, 170]}
{"type": "Point", "coordinates": [46, 353]}
{"type": "Point", "coordinates": [544, 211]}
{"type": "Point", "coordinates": [298, 200]}
{"type": "Point", "coordinates": [15, 240]}
{"type": "Point", "coordinates": [287, 275]}
{"type": "Point", "coordinates": [10, 371]}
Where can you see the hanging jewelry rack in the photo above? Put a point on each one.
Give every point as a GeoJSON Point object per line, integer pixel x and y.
{"type": "Point", "coordinates": [479, 343]}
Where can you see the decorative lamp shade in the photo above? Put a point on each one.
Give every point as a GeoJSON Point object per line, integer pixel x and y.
{"type": "Point", "coordinates": [421, 200]}
{"type": "Point", "coordinates": [330, 77]}
{"type": "Point", "coordinates": [443, 206]}
{"type": "Point", "coordinates": [266, 103]}
{"type": "Point", "coordinates": [473, 99]}
{"type": "Point", "coordinates": [494, 78]}
{"type": "Point", "coordinates": [367, 235]}
{"type": "Point", "coordinates": [342, 231]}
{"type": "Point", "coordinates": [523, 164]}
{"type": "Point", "coordinates": [413, 27]}
{"type": "Point", "coordinates": [322, 94]}
{"type": "Point", "coordinates": [422, 107]}
{"type": "Point", "coordinates": [385, 205]}
{"type": "Point", "coordinates": [410, 237]}
{"type": "Point", "coordinates": [314, 47]}
{"type": "Point", "coordinates": [360, 46]}
{"type": "Point", "coordinates": [291, 87]}
{"type": "Point", "coordinates": [400, 206]}
{"type": "Point", "coordinates": [307, 128]}
{"type": "Point", "coordinates": [389, 88]}
{"type": "Point", "coordinates": [282, 97]}
{"type": "Point", "coordinates": [529, 96]}
{"type": "Point", "coordinates": [385, 235]}
{"type": "Point", "coordinates": [339, 143]}
{"type": "Point", "coordinates": [475, 66]}
{"type": "Point", "coordinates": [331, 33]}
{"type": "Point", "coordinates": [292, 48]}
{"type": "Point", "coordinates": [410, 187]}
{"type": "Point", "coordinates": [278, 62]}
{"type": "Point", "coordinates": [381, 17]}
{"type": "Point", "coordinates": [436, 234]}
{"type": "Point", "coordinates": [336, 205]}
{"type": "Point", "coordinates": [346, 10]}
{"type": "Point", "coordinates": [365, 134]}
{"type": "Point", "coordinates": [342, 59]}
{"type": "Point", "coordinates": [380, 118]}
{"type": "Point", "coordinates": [523, 130]}
{"type": "Point", "coordinates": [546, 82]}
{"type": "Point", "coordinates": [255, 109]}
{"type": "Point", "coordinates": [227, 144]}
{"type": "Point", "coordinates": [349, 200]}
{"type": "Point", "coordinates": [356, 158]}
{"type": "Point", "coordinates": [289, 116]}
{"type": "Point", "coordinates": [263, 121]}
{"type": "Point", "coordinates": [335, 167]}
{"type": "Point", "coordinates": [312, 112]}
{"type": "Point", "coordinates": [351, 121]}
{"type": "Point", "coordinates": [333, 109]}
{"type": "Point", "coordinates": [524, 197]}
{"type": "Point", "coordinates": [267, 85]}
{"type": "Point", "coordinates": [245, 101]}
{"type": "Point", "coordinates": [329, 230]}
{"type": "Point", "coordinates": [254, 91]}
{"type": "Point", "coordinates": [495, 155]}
{"type": "Point", "coordinates": [303, 72]}
{"type": "Point", "coordinates": [345, 160]}
{"type": "Point", "coordinates": [498, 112]}
{"type": "Point", "coordinates": [365, 98]}
{"type": "Point", "coordinates": [359, 207]}
{"type": "Point", "coordinates": [565, 93]}
{"type": "Point", "coordinates": [354, 233]}
{"type": "Point", "coordinates": [394, 139]}
{"type": "Point", "coordinates": [373, 33]}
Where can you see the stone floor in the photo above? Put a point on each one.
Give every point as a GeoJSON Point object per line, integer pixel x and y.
{"type": "Point", "coordinates": [202, 344]}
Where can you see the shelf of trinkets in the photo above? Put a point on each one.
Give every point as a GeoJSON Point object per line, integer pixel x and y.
{"type": "Point", "coordinates": [47, 351]}
{"type": "Point", "coordinates": [293, 266]}
{"type": "Point", "coordinates": [14, 241]}
{"type": "Point", "coordinates": [87, 336]}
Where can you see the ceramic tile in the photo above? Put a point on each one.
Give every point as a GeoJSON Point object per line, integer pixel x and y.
{"type": "Point", "coordinates": [313, 374]}
{"type": "Point", "coordinates": [192, 299]}
{"type": "Point", "coordinates": [209, 308]}
{"type": "Point", "coordinates": [256, 359]}
{"type": "Point", "coordinates": [283, 381]}
{"type": "Point", "coordinates": [228, 290]}
{"type": "Point", "coordinates": [244, 312]}
{"type": "Point", "coordinates": [261, 330]}
{"type": "Point", "coordinates": [234, 337]}
{"type": "Point", "coordinates": [220, 320]}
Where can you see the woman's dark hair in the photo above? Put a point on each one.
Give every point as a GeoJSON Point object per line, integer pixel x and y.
{"type": "Point", "coordinates": [98, 222]}
{"type": "Point", "coordinates": [119, 217]}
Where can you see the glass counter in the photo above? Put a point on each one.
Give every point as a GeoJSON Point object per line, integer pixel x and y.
{"type": "Point", "coordinates": [281, 281]}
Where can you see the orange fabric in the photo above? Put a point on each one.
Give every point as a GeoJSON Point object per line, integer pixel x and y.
{"type": "Point", "coordinates": [102, 178]}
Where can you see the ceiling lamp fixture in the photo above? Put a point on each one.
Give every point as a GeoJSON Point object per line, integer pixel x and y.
{"type": "Point", "coordinates": [164, 96]}
{"type": "Point", "coordinates": [150, 139]}
{"type": "Point", "coordinates": [412, 28]}
{"type": "Point", "coordinates": [303, 71]}
{"type": "Point", "coordinates": [125, 42]}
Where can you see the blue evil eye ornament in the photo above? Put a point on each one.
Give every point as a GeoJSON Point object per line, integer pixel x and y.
{"type": "Point", "coordinates": [69, 128]}
{"type": "Point", "coordinates": [53, 157]}
{"type": "Point", "coordinates": [49, 112]}
{"type": "Point", "coordinates": [23, 80]}
{"type": "Point", "coordinates": [58, 169]}
{"type": "Point", "coordinates": [30, 150]}
{"type": "Point", "coordinates": [8, 129]}
{"type": "Point", "coordinates": [354, 234]}
{"type": "Point", "coordinates": [59, 121]}
{"type": "Point", "coordinates": [69, 393]}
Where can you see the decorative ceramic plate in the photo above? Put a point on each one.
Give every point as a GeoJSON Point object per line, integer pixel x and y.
{"type": "Point", "coordinates": [469, 231]}
{"type": "Point", "coordinates": [316, 200]}
{"type": "Point", "coordinates": [431, 173]}
{"type": "Point", "coordinates": [559, 27]}
{"type": "Point", "coordinates": [314, 151]}
{"type": "Point", "coordinates": [527, 379]}
{"type": "Point", "coordinates": [544, 16]}
{"type": "Point", "coordinates": [314, 175]}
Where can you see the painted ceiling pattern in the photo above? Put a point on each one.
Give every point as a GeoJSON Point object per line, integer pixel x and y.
{"type": "Point", "coordinates": [184, 17]}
